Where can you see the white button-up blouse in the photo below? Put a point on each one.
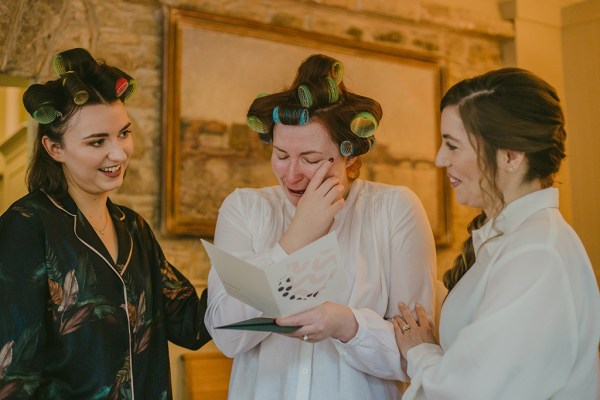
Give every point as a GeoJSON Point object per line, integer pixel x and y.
{"type": "Point", "coordinates": [389, 256]}
{"type": "Point", "coordinates": [524, 322]}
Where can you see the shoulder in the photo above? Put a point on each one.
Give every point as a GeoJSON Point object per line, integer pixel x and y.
{"type": "Point", "coordinates": [544, 242]}
{"type": "Point", "coordinates": [31, 206]}
{"type": "Point", "coordinates": [393, 197]}
{"type": "Point", "coordinates": [545, 228]}
{"type": "Point", "coordinates": [27, 216]}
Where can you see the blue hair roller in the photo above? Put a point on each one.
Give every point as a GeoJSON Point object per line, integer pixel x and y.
{"type": "Point", "coordinates": [346, 148]}
{"type": "Point", "coordinates": [291, 116]}
{"type": "Point", "coordinates": [304, 117]}
{"type": "Point", "coordinates": [276, 115]}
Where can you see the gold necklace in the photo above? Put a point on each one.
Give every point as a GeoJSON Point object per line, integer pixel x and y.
{"type": "Point", "coordinates": [101, 231]}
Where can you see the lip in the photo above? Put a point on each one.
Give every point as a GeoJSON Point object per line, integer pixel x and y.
{"type": "Point", "coordinates": [113, 171]}
{"type": "Point", "coordinates": [295, 193]}
{"type": "Point", "coordinates": [454, 181]}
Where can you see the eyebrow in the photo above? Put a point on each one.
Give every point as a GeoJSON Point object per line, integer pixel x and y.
{"type": "Point", "coordinates": [305, 153]}
{"type": "Point", "coordinates": [104, 134]}
{"type": "Point", "coordinates": [448, 136]}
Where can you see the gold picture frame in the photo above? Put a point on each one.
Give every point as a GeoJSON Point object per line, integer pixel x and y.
{"type": "Point", "coordinates": [216, 65]}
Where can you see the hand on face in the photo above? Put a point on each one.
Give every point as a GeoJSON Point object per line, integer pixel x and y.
{"type": "Point", "coordinates": [420, 330]}
{"type": "Point", "coordinates": [323, 321]}
{"type": "Point", "coordinates": [322, 199]}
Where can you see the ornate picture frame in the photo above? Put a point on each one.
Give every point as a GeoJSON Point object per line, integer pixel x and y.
{"type": "Point", "coordinates": [214, 68]}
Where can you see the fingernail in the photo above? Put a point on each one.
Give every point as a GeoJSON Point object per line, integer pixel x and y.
{"type": "Point", "coordinates": [331, 159]}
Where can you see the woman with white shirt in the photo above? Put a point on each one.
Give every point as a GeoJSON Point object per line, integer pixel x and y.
{"type": "Point", "coordinates": [345, 348]}
{"type": "Point", "coordinates": [522, 318]}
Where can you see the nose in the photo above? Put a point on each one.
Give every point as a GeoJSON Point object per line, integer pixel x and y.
{"type": "Point", "coordinates": [118, 152]}
{"type": "Point", "coordinates": [441, 161]}
{"type": "Point", "coordinates": [294, 172]}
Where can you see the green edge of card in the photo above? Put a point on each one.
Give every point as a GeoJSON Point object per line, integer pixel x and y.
{"type": "Point", "coordinates": [260, 324]}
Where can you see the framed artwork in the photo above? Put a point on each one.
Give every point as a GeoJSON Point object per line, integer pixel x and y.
{"type": "Point", "coordinates": [214, 68]}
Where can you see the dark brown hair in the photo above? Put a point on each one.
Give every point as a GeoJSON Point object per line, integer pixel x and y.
{"type": "Point", "coordinates": [509, 109]}
{"type": "Point", "coordinates": [81, 81]}
{"type": "Point", "coordinates": [333, 105]}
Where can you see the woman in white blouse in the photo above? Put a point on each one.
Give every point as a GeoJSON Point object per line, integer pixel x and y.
{"type": "Point", "coordinates": [522, 318]}
{"type": "Point", "coordinates": [346, 348]}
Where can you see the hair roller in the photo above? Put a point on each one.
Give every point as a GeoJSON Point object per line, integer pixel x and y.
{"type": "Point", "coordinates": [332, 90]}
{"type": "Point", "coordinates": [59, 65]}
{"type": "Point", "coordinates": [337, 72]}
{"type": "Point", "coordinates": [38, 103]}
{"type": "Point", "coordinates": [128, 91]}
{"type": "Point", "coordinates": [364, 124]}
{"type": "Point", "coordinates": [290, 116]}
{"type": "Point", "coordinates": [256, 124]}
{"type": "Point", "coordinates": [76, 88]}
{"type": "Point", "coordinates": [346, 148]}
{"type": "Point", "coordinates": [114, 83]}
{"type": "Point", "coordinates": [318, 93]}
{"type": "Point", "coordinates": [121, 86]}
{"type": "Point", "coordinates": [46, 113]}
{"type": "Point", "coordinates": [78, 60]}
{"type": "Point", "coordinates": [305, 96]}
{"type": "Point", "coordinates": [276, 115]}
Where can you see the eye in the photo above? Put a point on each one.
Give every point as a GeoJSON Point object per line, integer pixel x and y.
{"type": "Point", "coordinates": [308, 161]}
{"type": "Point", "coordinates": [124, 133]}
{"type": "Point", "coordinates": [97, 143]}
{"type": "Point", "coordinates": [450, 146]}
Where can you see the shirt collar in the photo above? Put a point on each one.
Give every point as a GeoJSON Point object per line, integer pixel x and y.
{"type": "Point", "coordinates": [514, 214]}
{"type": "Point", "coordinates": [66, 203]}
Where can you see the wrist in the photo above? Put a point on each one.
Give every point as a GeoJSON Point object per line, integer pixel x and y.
{"type": "Point", "coordinates": [350, 330]}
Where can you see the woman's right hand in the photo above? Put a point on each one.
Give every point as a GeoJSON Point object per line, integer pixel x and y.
{"type": "Point", "coordinates": [322, 199]}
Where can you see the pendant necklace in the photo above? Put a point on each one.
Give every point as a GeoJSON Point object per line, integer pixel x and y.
{"type": "Point", "coordinates": [101, 231]}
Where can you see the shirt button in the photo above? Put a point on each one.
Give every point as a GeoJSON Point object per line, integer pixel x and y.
{"type": "Point", "coordinates": [305, 371]}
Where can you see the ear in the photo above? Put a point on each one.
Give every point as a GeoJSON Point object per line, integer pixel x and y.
{"type": "Point", "coordinates": [350, 161]}
{"type": "Point", "coordinates": [53, 149]}
{"type": "Point", "coordinates": [510, 160]}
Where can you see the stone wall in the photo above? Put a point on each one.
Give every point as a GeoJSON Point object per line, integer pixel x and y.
{"type": "Point", "coordinates": [129, 33]}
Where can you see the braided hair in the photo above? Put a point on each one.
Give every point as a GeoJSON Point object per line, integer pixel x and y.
{"type": "Point", "coordinates": [510, 109]}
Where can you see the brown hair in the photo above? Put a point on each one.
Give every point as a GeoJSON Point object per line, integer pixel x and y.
{"type": "Point", "coordinates": [333, 105]}
{"type": "Point", "coordinates": [81, 81]}
{"type": "Point", "coordinates": [510, 109]}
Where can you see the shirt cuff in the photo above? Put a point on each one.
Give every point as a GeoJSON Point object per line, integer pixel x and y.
{"type": "Point", "coordinates": [360, 333]}
{"type": "Point", "coordinates": [422, 356]}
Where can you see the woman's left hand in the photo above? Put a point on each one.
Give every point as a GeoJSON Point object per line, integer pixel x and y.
{"type": "Point", "coordinates": [411, 332]}
{"type": "Point", "coordinates": [323, 321]}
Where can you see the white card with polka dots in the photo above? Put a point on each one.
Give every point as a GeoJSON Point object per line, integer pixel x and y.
{"type": "Point", "coordinates": [302, 280]}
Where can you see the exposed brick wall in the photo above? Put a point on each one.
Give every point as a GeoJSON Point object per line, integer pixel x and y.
{"type": "Point", "coordinates": [129, 33]}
